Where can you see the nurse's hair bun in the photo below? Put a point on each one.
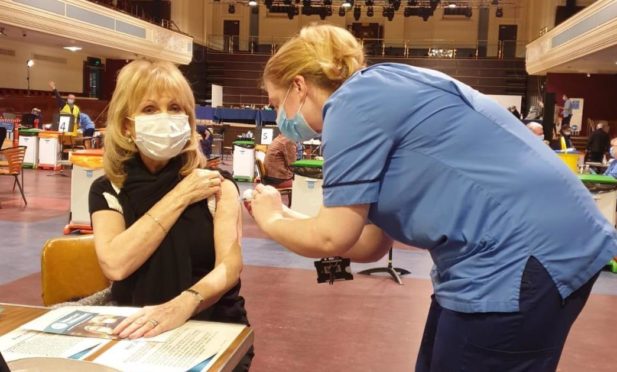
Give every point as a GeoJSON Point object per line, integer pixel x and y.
{"type": "Point", "coordinates": [325, 55]}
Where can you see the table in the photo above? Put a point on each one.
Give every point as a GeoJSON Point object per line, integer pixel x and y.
{"type": "Point", "coordinates": [15, 315]}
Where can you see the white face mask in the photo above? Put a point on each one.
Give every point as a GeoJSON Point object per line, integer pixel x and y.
{"type": "Point", "coordinates": [540, 136]}
{"type": "Point", "coordinates": [161, 136]}
{"type": "Point", "coordinates": [70, 101]}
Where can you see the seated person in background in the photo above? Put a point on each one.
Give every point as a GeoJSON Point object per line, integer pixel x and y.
{"type": "Point", "coordinates": [534, 113]}
{"type": "Point", "coordinates": [279, 157]}
{"type": "Point", "coordinates": [515, 112]}
{"type": "Point", "coordinates": [29, 120]}
{"type": "Point", "coordinates": [538, 130]}
{"type": "Point", "coordinates": [206, 141]}
{"type": "Point", "coordinates": [612, 166]}
{"type": "Point", "coordinates": [86, 124]}
{"type": "Point", "coordinates": [566, 134]}
{"type": "Point", "coordinates": [164, 247]}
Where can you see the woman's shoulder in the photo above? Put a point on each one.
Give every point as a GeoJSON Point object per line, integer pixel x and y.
{"type": "Point", "coordinates": [103, 184]}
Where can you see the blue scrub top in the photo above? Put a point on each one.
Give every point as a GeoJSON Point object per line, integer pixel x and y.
{"type": "Point", "coordinates": [85, 122]}
{"type": "Point", "coordinates": [447, 169]}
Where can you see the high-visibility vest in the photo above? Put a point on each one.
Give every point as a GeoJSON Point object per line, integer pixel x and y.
{"type": "Point", "coordinates": [66, 109]}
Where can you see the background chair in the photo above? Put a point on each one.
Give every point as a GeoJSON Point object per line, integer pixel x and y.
{"type": "Point", "coordinates": [14, 160]}
{"type": "Point", "coordinates": [262, 173]}
{"type": "Point", "coordinates": [70, 269]}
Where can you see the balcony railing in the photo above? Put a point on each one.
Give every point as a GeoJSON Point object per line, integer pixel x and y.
{"type": "Point", "coordinates": [381, 47]}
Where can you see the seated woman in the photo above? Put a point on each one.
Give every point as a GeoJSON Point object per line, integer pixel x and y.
{"type": "Point", "coordinates": [156, 237]}
{"type": "Point", "coordinates": [280, 155]}
{"type": "Point", "coordinates": [612, 166]}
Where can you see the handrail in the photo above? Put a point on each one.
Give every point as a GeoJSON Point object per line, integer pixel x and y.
{"type": "Point", "coordinates": [427, 48]}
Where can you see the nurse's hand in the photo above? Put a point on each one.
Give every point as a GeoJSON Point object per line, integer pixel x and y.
{"type": "Point", "coordinates": [266, 205]}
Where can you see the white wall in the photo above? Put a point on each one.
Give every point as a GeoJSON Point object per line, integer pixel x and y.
{"type": "Point", "coordinates": [68, 74]}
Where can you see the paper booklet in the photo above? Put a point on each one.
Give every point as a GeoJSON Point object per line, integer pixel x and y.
{"type": "Point", "coordinates": [78, 332]}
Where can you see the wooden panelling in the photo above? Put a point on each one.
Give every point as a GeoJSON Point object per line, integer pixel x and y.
{"type": "Point", "coordinates": [240, 74]}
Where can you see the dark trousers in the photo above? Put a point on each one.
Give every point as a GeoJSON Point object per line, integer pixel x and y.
{"type": "Point", "coordinates": [595, 156]}
{"type": "Point", "coordinates": [530, 340]}
{"type": "Point", "coordinates": [565, 121]}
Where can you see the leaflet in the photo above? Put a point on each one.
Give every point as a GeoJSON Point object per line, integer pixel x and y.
{"type": "Point", "coordinates": [85, 321]}
{"type": "Point", "coordinates": [65, 333]}
{"type": "Point", "coordinates": [22, 343]}
{"type": "Point", "coordinates": [195, 346]}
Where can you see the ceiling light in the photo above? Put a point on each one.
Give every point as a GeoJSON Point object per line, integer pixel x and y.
{"type": "Point", "coordinates": [252, 3]}
{"type": "Point", "coordinates": [30, 63]}
{"type": "Point", "coordinates": [72, 48]}
{"type": "Point", "coordinates": [452, 6]}
{"type": "Point", "coordinates": [347, 4]}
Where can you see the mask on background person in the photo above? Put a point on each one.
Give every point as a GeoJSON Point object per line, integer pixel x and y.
{"type": "Point", "coordinates": [540, 136]}
{"type": "Point", "coordinates": [162, 136]}
{"type": "Point", "coordinates": [612, 152]}
{"type": "Point", "coordinates": [296, 128]}
{"type": "Point", "coordinates": [70, 101]}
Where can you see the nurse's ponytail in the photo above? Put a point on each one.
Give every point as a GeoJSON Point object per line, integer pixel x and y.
{"type": "Point", "coordinates": [323, 54]}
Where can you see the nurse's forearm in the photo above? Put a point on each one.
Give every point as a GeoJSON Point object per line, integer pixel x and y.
{"type": "Point", "coordinates": [333, 232]}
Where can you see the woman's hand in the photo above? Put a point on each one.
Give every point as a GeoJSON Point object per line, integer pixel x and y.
{"type": "Point", "coordinates": [154, 320]}
{"type": "Point", "coordinates": [199, 185]}
{"type": "Point", "coordinates": [266, 205]}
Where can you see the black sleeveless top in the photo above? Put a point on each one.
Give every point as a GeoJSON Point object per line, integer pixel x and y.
{"type": "Point", "coordinates": [184, 256]}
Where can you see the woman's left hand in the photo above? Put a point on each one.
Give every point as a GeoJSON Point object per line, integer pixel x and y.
{"type": "Point", "coordinates": [154, 320]}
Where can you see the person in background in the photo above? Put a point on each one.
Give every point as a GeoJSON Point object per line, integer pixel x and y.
{"type": "Point", "coordinates": [537, 129]}
{"type": "Point", "coordinates": [566, 111]}
{"type": "Point", "coordinates": [612, 166]}
{"type": "Point", "coordinates": [86, 124]}
{"type": "Point", "coordinates": [164, 247]}
{"type": "Point", "coordinates": [68, 106]}
{"type": "Point", "coordinates": [598, 144]}
{"type": "Point", "coordinates": [205, 143]}
{"type": "Point", "coordinates": [39, 116]}
{"type": "Point", "coordinates": [513, 268]}
{"type": "Point", "coordinates": [280, 155]}
{"type": "Point", "coordinates": [566, 133]}
{"type": "Point", "coordinates": [515, 112]}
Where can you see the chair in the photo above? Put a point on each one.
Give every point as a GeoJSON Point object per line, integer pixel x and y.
{"type": "Point", "coordinates": [15, 158]}
{"type": "Point", "coordinates": [70, 269]}
{"type": "Point", "coordinates": [261, 174]}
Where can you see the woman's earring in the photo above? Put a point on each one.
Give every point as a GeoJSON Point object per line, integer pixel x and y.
{"type": "Point", "coordinates": [128, 138]}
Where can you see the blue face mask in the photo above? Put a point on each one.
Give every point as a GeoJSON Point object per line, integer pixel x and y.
{"type": "Point", "coordinates": [296, 128]}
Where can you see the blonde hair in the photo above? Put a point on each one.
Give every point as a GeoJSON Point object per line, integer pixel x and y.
{"type": "Point", "coordinates": [325, 55]}
{"type": "Point", "coordinates": [135, 81]}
